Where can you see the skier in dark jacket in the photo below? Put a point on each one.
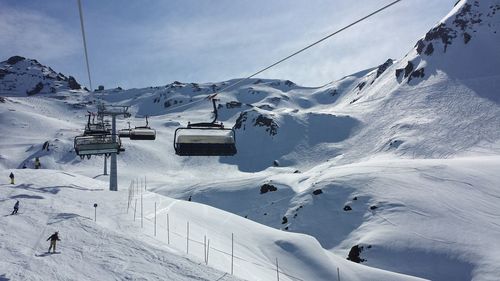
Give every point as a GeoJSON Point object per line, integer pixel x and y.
{"type": "Point", "coordinates": [53, 238]}
{"type": "Point", "coordinates": [37, 163]}
{"type": "Point", "coordinates": [11, 176]}
{"type": "Point", "coordinates": [16, 208]}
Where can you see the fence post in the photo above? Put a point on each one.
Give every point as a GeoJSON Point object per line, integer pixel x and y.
{"type": "Point", "coordinates": [135, 207]}
{"type": "Point", "coordinates": [205, 248]}
{"type": "Point", "coordinates": [129, 198]}
{"type": "Point", "coordinates": [168, 230]}
{"type": "Point", "coordinates": [208, 250]}
{"type": "Point", "coordinates": [187, 239]}
{"type": "Point", "coordinates": [338, 274]}
{"type": "Point", "coordinates": [232, 252]}
{"type": "Point", "coordinates": [277, 270]}
{"type": "Point", "coordinates": [155, 218]}
{"type": "Point", "coordinates": [142, 213]}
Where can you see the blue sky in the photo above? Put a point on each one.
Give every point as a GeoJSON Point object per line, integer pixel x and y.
{"type": "Point", "coordinates": [151, 43]}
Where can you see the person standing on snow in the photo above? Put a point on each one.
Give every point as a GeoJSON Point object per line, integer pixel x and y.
{"type": "Point", "coordinates": [16, 208]}
{"type": "Point", "coordinates": [11, 176]}
{"type": "Point", "coordinates": [37, 163]}
{"type": "Point", "coordinates": [53, 238]}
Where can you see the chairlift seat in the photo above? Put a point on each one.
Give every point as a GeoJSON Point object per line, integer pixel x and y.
{"type": "Point", "coordinates": [96, 145]}
{"type": "Point", "coordinates": [124, 133]}
{"type": "Point", "coordinates": [142, 134]}
{"type": "Point", "coordinates": [205, 144]}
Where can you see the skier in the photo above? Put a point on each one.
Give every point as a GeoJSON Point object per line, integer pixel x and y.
{"type": "Point", "coordinates": [11, 176]}
{"type": "Point", "coordinates": [37, 163]}
{"type": "Point", "coordinates": [16, 208]}
{"type": "Point", "coordinates": [53, 238]}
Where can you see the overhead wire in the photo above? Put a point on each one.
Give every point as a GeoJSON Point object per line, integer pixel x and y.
{"type": "Point", "coordinates": [291, 55]}
{"type": "Point", "coordinates": [84, 42]}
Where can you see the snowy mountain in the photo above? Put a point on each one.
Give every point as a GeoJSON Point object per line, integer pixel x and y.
{"type": "Point", "coordinates": [394, 167]}
{"type": "Point", "coordinates": [20, 76]}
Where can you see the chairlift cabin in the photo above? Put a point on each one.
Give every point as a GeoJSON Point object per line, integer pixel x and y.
{"type": "Point", "coordinates": [92, 128]}
{"type": "Point", "coordinates": [205, 139]}
{"type": "Point", "coordinates": [125, 133]}
{"type": "Point", "coordinates": [143, 132]}
{"type": "Point", "coordinates": [88, 145]}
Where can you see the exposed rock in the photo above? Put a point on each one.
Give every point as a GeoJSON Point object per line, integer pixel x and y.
{"type": "Point", "coordinates": [267, 188]}
{"type": "Point", "coordinates": [15, 59]}
{"type": "Point", "coordinates": [381, 68]}
{"type": "Point", "coordinates": [408, 69]}
{"type": "Point", "coordinates": [429, 50]}
{"type": "Point", "coordinates": [317, 192]}
{"type": "Point", "coordinates": [354, 254]}
{"type": "Point", "coordinates": [373, 207]}
{"type": "Point", "coordinates": [419, 73]}
{"type": "Point", "coordinates": [361, 85]}
{"type": "Point", "coordinates": [420, 46]}
{"type": "Point", "coordinates": [233, 104]}
{"type": "Point", "coordinates": [398, 72]}
{"type": "Point", "coordinates": [276, 163]}
{"type": "Point", "coordinates": [73, 85]}
{"type": "Point", "coordinates": [35, 90]}
{"type": "Point", "coordinates": [467, 37]}
{"type": "Point", "coordinates": [347, 208]}
{"type": "Point", "coordinates": [285, 220]}
{"type": "Point", "coordinates": [443, 33]}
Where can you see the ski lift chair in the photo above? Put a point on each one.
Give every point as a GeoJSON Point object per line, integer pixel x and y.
{"type": "Point", "coordinates": [88, 145]}
{"type": "Point", "coordinates": [205, 139]}
{"type": "Point", "coordinates": [143, 133]}
{"type": "Point", "coordinates": [125, 133]}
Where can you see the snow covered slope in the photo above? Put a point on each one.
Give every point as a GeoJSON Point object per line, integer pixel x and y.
{"type": "Point", "coordinates": [21, 76]}
{"type": "Point", "coordinates": [117, 247]}
{"type": "Point", "coordinates": [399, 161]}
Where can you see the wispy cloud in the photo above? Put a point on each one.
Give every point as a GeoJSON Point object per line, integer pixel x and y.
{"type": "Point", "coordinates": [34, 34]}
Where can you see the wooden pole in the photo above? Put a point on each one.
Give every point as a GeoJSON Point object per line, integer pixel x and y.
{"type": "Point", "coordinates": [187, 238]}
{"type": "Point", "coordinates": [135, 207]}
{"type": "Point", "coordinates": [142, 212]}
{"type": "Point", "coordinates": [232, 252]}
{"type": "Point", "coordinates": [277, 270]}
{"type": "Point", "coordinates": [208, 249]}
{"type": "Point", "coordinates": [168, 230]}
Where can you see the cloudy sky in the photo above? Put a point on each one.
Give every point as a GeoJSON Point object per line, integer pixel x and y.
{"type": "Point", "coordinates": [150, 43]}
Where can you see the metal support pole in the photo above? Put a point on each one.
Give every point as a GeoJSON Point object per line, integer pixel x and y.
{"type": "Point", "coordinates": [105, 165]}
{"type": "Point", "coordinates": [155, 218]}
{"type": "Point", "coordinates": [113, 179]}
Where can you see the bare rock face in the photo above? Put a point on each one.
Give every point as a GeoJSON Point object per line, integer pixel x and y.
{"type": "Point", "coordinates": [23, 76]}
{"type": "Point", "coordinates": [15, 59]}
{"type": "Point", "coordinates": [73, 85]}
{"type": "Point", "coordinates": [259, 121]}
{"type": "Point", "coordinates": [267, 188]}
{"type": "Point", "coordinates": [354, 254]}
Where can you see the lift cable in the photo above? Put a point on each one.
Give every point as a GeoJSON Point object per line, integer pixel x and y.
{"type": "Point", "coordinates": [84, 43]}
{"type": "Point", "coordinates": [290, 56]}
